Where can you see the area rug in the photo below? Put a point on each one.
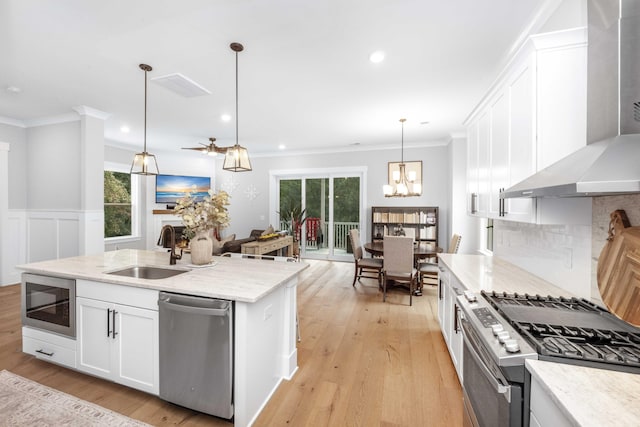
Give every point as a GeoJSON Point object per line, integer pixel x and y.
{"type": "Point", "coordinates": [27, 403]}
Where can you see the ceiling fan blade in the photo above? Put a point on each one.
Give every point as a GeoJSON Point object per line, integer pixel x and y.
{"type": "Point", "coordinates": [196, 148]}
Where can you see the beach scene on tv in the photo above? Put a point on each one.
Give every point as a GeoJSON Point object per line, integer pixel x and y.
{"type": "Point", "coordinates": [169, 188]}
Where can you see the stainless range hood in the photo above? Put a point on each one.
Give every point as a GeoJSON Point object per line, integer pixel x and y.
{"type": "Point", "coordinates": [611, 164]}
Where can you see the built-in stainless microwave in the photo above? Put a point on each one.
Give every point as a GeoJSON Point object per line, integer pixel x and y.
{"type": "Point", "coordinates": [49, 303]}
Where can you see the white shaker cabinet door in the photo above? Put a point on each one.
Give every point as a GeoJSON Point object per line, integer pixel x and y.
{"type": "Point", "coordinates": [94, 323]}
{"type": "Point", "coordinates": [119, 343]}
{"type": "Point", "coordinates": [137, 348]}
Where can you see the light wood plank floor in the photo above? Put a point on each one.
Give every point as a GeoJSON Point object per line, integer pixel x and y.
{"type": "Point", "coordinates": [361, 362]}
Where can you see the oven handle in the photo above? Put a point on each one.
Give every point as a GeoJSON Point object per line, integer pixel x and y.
{"type": "Point", "coordinates": [468, 339]}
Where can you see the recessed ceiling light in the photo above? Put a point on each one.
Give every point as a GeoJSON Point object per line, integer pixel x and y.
{"type": "Point", "coordinates": [282, 146]}
{"type": "Point", "coordinates": [377, 56]}
{"type": "Point", "coordinates": [424, 123]}
{"type": "Point", "coordinates": [124, 129]}
{"type": "Point", "coordinates": [13, 89]}
{"type": "Point", "coordinates": [225, 117]}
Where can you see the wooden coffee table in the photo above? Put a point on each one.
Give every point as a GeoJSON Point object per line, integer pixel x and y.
{"type": "Point", "coordinates": [258, 247]}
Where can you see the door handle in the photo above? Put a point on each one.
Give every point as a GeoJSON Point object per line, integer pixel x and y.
{"type": "Point", "coordinates": [46, 353]}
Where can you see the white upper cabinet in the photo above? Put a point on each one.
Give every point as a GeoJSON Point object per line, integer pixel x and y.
{"type": "Point", "coordinates": [534, 115]}
{"type": "Point", "coordinates": [561, 94]}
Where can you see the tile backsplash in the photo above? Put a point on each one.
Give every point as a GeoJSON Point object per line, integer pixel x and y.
{"type": "Point", "coordinates": [560, 254]}
{"type": "Point", "coordinates": [565, 255]}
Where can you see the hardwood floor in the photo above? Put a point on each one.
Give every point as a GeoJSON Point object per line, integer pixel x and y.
{"type": "Point", "coordinates": [361, 362]}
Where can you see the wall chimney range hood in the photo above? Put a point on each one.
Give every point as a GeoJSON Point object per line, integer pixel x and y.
{"type": "Point", "coordinates": [610, 163]}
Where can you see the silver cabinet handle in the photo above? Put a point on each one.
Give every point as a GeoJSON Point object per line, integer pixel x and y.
{"type": "Point", "coordinates": [45, 353]}
{"type": "Point", "coordinates": [113, 318]}
{"type": "Point", "coordinates": [474, 203]}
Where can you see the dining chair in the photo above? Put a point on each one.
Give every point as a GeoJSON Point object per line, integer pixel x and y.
{"type": "Point", "coordinates": [364, 267]}
{"type": "Point", "coordinates": [429, 270]}
{"type": "Point", "coordinates": [398, 263]}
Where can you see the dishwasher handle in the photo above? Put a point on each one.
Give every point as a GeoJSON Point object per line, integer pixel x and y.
{"type": "Point", "coordinates": [194, 305]}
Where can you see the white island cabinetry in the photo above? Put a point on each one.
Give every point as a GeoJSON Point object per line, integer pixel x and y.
{"type": "Point", "coordinates": [117, 320]}
{"type": "Point", "coordinates": [117, 334]}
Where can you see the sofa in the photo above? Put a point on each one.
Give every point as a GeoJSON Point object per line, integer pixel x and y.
{"type": "Point", "coordinates": [235, 244]}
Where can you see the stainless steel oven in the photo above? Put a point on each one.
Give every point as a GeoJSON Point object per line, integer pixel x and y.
{"type": "Point", "coordinates": [48, 303]}
{"type": "Point", "coordinates": [489, 398]}
{"type": "Point", "coordinates": [495, 383]}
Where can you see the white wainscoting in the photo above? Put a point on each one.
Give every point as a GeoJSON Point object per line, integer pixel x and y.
{"type": "Point", "coordinates": [40, 235]}
{"type": "Point", "coordinates": [16, 246]}
{"type": "Point", "coordinates": [52, 235]}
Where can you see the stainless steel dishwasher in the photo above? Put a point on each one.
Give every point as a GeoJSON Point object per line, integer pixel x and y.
{"type": "Point", "coordinates": [196, 353]}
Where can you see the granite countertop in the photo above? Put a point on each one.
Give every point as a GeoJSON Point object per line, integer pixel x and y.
{"type": "Point", "coordinates": [488, 273]}
{"type": "Point", "coordinates": [589, 396]}
{"type": "Point", "coordinates": [236, 279]}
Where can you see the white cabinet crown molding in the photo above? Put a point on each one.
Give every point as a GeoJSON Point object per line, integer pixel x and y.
{"type": "Point", "coordinates": [535, 42]}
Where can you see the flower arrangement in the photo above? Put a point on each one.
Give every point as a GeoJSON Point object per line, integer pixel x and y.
{"type": "Point", "coordinates": [208, 214]}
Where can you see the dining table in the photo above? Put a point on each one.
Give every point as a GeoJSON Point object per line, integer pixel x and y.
{"type": "Point", "coordinates": [421, 250]}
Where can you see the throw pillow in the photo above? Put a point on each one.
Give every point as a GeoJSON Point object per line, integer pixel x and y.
{"type": "Point", "coordinates": [218, 244]}
{"type": "Point", "coordinates": [269, 230]}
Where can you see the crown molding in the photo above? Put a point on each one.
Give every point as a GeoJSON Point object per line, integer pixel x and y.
{"type": "Point", "coordinates": [12, 122]}
{"type": "Point", "coordinates": [83, 110]}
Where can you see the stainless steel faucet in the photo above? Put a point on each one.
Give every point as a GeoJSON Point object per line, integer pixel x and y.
{"type": "Point", "coordinates": [173, 256]}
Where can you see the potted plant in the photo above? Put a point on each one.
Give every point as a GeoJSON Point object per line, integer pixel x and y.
{"type": "Point", "coordinates": [294, 217]}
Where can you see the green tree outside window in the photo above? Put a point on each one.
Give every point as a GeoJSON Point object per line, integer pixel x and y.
{"type": "Point", "coordinates": [117, 204]}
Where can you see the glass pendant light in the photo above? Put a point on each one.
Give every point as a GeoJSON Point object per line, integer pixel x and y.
{"type": "Point", "coordinates": [145, 163]}
{"type": "Point", "coordinates": [236, 158]}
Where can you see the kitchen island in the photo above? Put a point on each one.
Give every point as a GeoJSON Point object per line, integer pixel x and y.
{"type": "Point", "coordinates": [264, 295]}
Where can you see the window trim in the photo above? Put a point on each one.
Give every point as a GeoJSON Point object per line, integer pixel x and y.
{"type": "Point", "coordinates": [135, 203]}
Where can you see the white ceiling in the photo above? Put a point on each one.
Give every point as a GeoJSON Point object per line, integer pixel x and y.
{"type": "Point", "coordinates": [304, 77]}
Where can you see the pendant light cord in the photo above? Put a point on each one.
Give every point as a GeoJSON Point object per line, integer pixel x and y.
{"type": "Point", "coordinates": [236, 98]}
{"type": "Point", "coordinates": [145, 111]}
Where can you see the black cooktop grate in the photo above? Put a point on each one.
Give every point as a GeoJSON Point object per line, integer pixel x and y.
{"type": "Point", "coordinates": [570, 328]}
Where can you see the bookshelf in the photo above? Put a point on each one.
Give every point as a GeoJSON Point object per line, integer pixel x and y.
{"type": "Point", "coordinates": [421, 221]}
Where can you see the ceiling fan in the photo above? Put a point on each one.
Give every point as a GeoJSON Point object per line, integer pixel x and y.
{"type": "Point", "coordinates": [210, 149]}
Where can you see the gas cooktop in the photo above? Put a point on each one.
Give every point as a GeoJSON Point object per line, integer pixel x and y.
{"type": "Point", "coordinates": [571, 330]}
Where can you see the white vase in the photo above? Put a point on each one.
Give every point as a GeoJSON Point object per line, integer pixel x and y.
{"type": "Point", "coordinates": [201, 248]}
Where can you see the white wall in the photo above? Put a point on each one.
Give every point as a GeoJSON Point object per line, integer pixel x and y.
{"type": "Point", "coordinates": [250, 190]}
{"type": "Point", "coordinates": [53, 166]}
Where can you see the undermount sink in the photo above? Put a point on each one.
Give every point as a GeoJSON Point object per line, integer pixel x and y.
{"type": "Point", "coordinates": [146, 272]}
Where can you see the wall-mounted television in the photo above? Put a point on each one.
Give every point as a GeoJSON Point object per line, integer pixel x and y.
{"type": "Point", "coordinates": [169, 188]}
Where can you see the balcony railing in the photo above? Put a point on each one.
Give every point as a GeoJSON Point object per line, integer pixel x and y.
{"type": "Point", "coordinates": [317, 234]}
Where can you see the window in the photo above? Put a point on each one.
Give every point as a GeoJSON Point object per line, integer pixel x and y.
{"type": "Point", "coordinates": [119, 206]}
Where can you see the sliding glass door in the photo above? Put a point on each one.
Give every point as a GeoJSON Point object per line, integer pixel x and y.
{"type": "Point", "coordinates": [320, 211]}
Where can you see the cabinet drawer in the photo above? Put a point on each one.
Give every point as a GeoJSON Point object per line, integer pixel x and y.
{"type": "Point", "coordinates": [49, 352]}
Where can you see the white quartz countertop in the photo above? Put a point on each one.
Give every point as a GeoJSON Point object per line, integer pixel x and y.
{"type": "Point", "coordinates": [589, 396]}
{"type": "Point", "coordinates": [236, 279]}
{"type": "Point", "coordinates": [488, 273]}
